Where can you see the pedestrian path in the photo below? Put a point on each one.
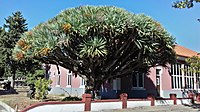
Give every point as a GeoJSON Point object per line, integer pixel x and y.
{"type": "Point", "coordinates": [2, 109]}
{"type": "Point", "coordinates": [5, 108]}
{"type": "Point", "coordinates": [171, 108]}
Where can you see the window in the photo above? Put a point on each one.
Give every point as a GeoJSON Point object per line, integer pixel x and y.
{"type": "Point", "coordinates": [158, 76]}
{"type": "Point", "coordinates": [82, 82]}
{"type": "Point", "coordinates": [69, 78]}
{"type": "Point", "coordinates": [58, 80]}
{"type": "Point", "coordinates": [182, 78]}
{"type": "Point", "coordinates": [53, 74]}
{"type": "Point", "coordinates": [116, 84]}
{"type": "Point", "coordinates": [198, 80]}
{"type": "Point", "coordinates": [176, 76]}
{"type": "Point", "coordinates": [138, 79]}
{"type": "Point", "coordinates": [189, 78]}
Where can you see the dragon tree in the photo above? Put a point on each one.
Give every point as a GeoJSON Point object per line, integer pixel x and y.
{"type": "Point", "coordinates": [98, 43]}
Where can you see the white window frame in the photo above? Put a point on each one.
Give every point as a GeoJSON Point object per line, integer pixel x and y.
{"type": "Point", "coordinates": [69, 75]}
{"type": "Point", "coordinates": [178, 76]}
{"type": "Point", "coordinates": [58, 80]}
{"type": "Point", "coordinates": [159, 75]}
{"type": "Point", "coordinates": [54, 73]}
{"type": "Point", "coordinates": [137, 76]}
{"type": "Point", "coordinates": [117, 84]}
{"type": "Point", "coordinates": [197, 81]}
{"type": "Point", "coordinates": [82, 83]}
{"type": "Point", "coordinates": [188, 81]}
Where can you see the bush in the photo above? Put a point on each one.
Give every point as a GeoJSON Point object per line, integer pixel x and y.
{"type": "Point", "coordinates": [41, 86]}
{"type": "Point", "coordinates": [70, 98]}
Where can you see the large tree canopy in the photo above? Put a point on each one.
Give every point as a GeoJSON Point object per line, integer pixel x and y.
{"type": "Point", "coordinates": [99, 43]}
{"type": "Point", "coordinates": [184, 3]}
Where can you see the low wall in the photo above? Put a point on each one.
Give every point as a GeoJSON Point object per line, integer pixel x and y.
{"type": "Point", "coordinates": [55, 107]}
{"type": "Point", "coordinates": [106, 104]}
{"type": "Point", "coordinates": [184, 101]}
{"type": "Point", "coordinates": [164, 102]}
{"type": "Point", "coordinates": [87, 104]}
{"type": "Point", "coordinates": [136, 103]}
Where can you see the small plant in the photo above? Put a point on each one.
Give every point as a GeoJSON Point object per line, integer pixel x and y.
{"type": "Point", "coordinates": [41, 86]}
{"type": "Point", "coordinates": [71, 98]}
{"type": "Point", "coordinates": [62, 95]}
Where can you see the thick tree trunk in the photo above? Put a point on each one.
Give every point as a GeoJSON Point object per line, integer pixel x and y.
{"type": "Point", "coordinates": [13, 80]}
{"type": "Point", "coordinates": [93, 88]}
{"type": "Point", "coordinates": [96, 89]}
{"type": "Point", "coordinates": [13, 83]}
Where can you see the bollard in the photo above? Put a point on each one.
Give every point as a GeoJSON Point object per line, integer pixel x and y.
{"type": "Point", "coordinates": [123, 98]}
{"type": "Point", "coordinates": [191, 96]}
{"type": "Point", "coordinates": [173, 97]}
{"type": "Point", "coordinates": [198, 97]}
{"type": "Point", "coordinates": [87, 99]}
{"type": "Point", "coordinates": [152, 99]}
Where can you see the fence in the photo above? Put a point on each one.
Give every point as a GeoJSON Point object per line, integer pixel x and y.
{"type": "Point", "coordinates": [87, 104]}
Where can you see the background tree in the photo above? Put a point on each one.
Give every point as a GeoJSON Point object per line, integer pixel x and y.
{"type": "Point", "coordinates": [98, 43]}
{"type": "Point", "coordinates": [194, 64]}
{"type": "Point", "coordinates": [11, 32]}
{"type": "Point", "coordinates": [2, 36]}
{"type": "Point", "coordinates": [184, 3]}
{"type": "Point", "coordinates": [31, 78]}
{"type": "Point", "coordinates": [15, 25]}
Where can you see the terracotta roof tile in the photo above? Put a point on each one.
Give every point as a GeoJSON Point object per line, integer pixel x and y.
{"type": "Point", "coordinates": [185, 52]}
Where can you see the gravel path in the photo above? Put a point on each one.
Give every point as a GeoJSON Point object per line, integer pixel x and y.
{"type": "Point", "coordinates": [173, 108]}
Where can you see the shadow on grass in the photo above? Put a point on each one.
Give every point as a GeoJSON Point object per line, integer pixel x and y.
{"type": "Point", "coordinates": [194, 106]}
{"type": "Point", "coordinates": [6, 92]}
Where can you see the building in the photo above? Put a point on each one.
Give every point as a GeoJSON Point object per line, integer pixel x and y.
{"type": "Point", "coordinates": [65, 82]}
{"type": "Point", "coordinates": [159, 81]}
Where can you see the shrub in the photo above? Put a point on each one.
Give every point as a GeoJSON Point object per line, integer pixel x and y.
{"type": "Point", "coordinates": [41, 86]}
{"type": "Point", "coordinates": [71, 98]}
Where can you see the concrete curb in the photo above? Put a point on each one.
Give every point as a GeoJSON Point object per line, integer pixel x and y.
{"type": "Point", "coordinates": [8, 108]}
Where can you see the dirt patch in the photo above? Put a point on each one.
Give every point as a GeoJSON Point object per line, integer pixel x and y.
{"type": "Point", "coordinates": [20, 100]}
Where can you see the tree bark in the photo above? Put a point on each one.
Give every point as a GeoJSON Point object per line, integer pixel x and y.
{"type": "Point", "coordinates": [13, 79]}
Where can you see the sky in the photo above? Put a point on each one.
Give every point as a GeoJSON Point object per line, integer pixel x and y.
{"type": "Point", "coordinates": [180, 23]}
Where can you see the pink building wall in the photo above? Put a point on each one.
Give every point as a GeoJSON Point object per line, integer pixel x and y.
{"type": "Point", "coordinates": [76, 81]}
{"type": "Point", "coordinates": [166, 80]}
{"type": "Point", "coordinates": [150, 79]}
{"type": "Point", "coordinates": [150, 86]}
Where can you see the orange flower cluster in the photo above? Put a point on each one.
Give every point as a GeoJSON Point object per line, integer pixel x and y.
{"type": "Point", "coordinates": [66, 27]}
{"type": "Point", "coordinates": [44, 51]}
{"type": "Point", "coordinates": [158, 25]}
{"type": "Point", "coordinates": [20, 55]}
{"type": "Point", "coordinates": [29, 33]}
{"type": "Point", "coordinates": [23, 45]}
{"type": "Point", "coordinates": [26, 47]}
{"type": "Point", "coordinates": [87, 15]}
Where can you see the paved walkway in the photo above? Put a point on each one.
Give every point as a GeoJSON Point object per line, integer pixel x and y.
{"type": "Point", "coordinates": [173, 108]}
{"type": "Point", "coordinates": [2, 109]}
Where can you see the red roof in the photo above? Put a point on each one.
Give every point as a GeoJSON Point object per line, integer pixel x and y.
{"type": "Point", "coordinates": [185, 52]}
